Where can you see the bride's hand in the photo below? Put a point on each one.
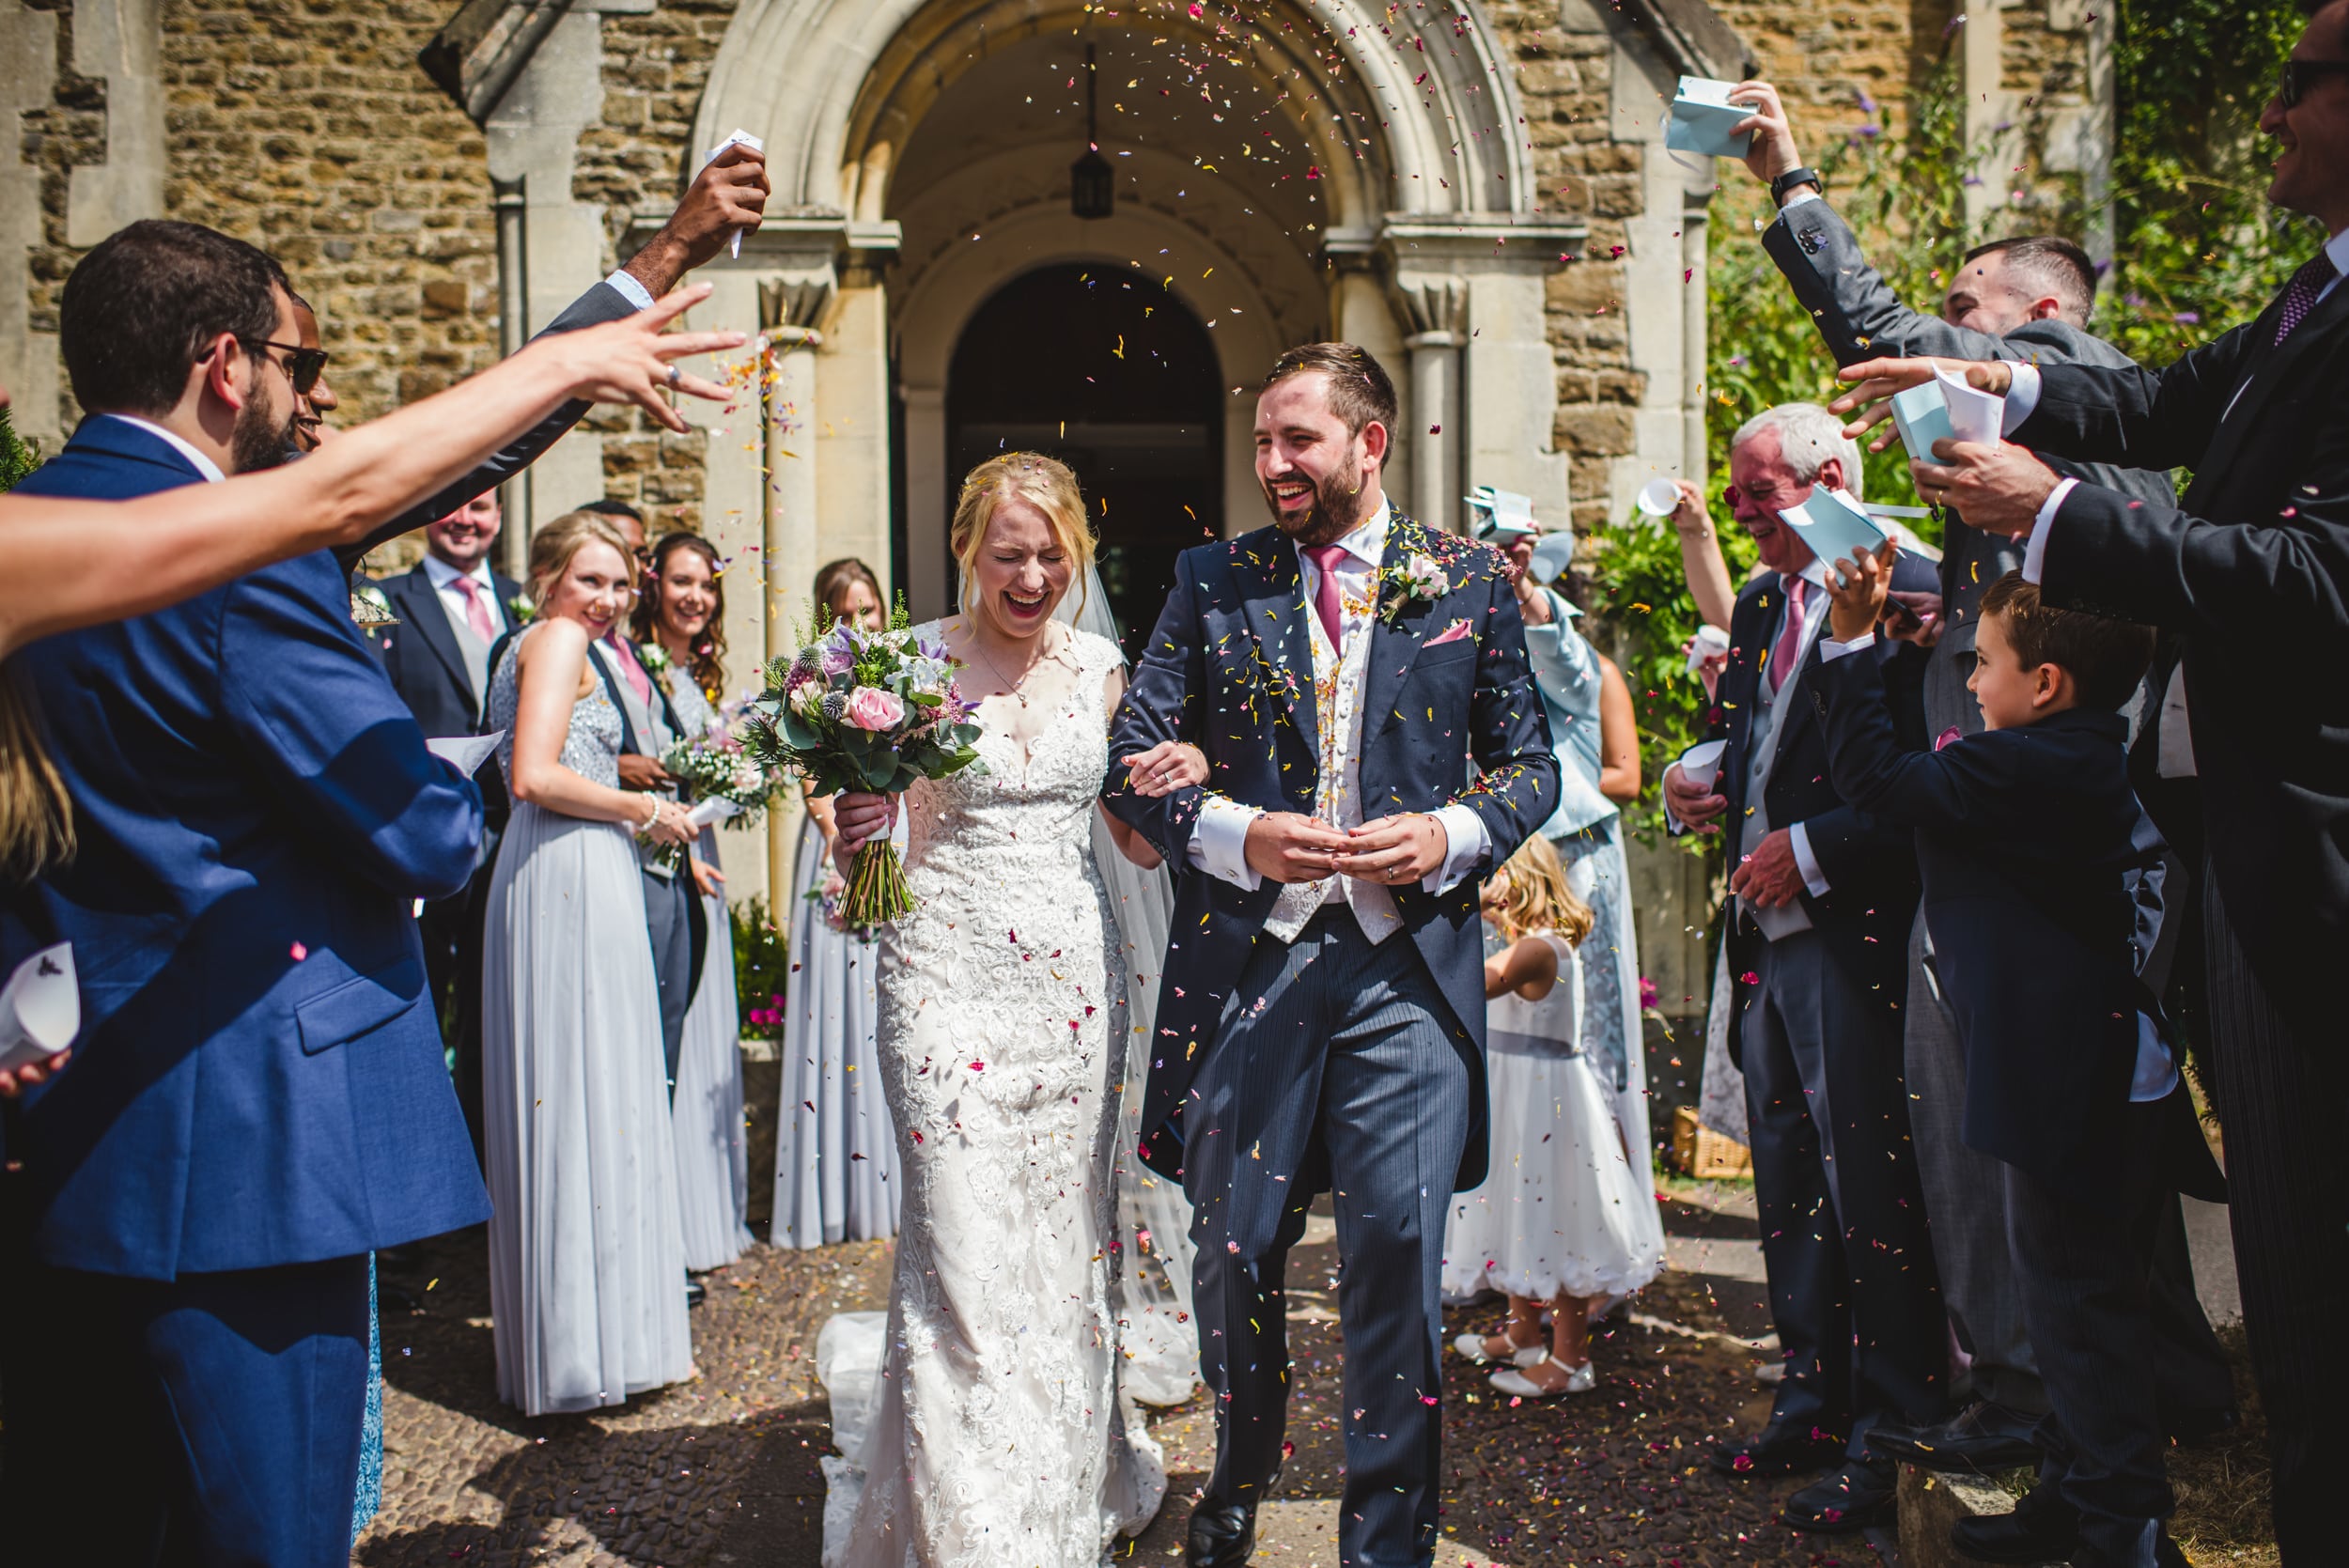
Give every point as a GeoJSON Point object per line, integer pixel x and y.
{"type": "Point", "coordinates": [1165, 767]}
{"type": "Point", "coordinates": [858, 816]}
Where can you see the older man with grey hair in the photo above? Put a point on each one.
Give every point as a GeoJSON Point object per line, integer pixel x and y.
{"type": "Point", "coordinates": [1818, 941]}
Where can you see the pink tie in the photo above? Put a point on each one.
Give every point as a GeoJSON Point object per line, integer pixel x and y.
{"type": "Point", "coordinates": [1326, 557]}
{"type": "Point", "coordinates": [638, 681]}
{"type": "Point", "coordinates": [1790, 640]}
{"type": "Point", "coordinates": [476, 613]}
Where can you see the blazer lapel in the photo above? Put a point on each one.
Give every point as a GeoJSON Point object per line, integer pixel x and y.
{"type": "Point", "coordinates": [1272, 589]}
{"type": "Point", "coordinates": [419, 606]}
{"type": "Point", "coordinates": [1394, 643]}
{"type": "Point", "coordinates": [2268, 366]}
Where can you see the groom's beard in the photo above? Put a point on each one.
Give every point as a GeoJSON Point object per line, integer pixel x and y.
{"type": "Point", "coordinates": [260, 439]}
{"type": "Point", "coordinates": [1336, 511]}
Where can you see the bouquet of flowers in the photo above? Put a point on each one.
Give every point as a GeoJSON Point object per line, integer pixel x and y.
{"type": "Point", "coordinates": [716, 764]}
{"type": "Point", "coordinates": [872, 711]}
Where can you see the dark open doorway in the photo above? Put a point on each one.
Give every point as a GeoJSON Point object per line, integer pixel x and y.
{"type": "Point", "coordinates": [1112, 375]}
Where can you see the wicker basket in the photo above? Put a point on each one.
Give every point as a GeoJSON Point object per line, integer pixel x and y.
{"type": "Point", "coordinates": [1701, 1152]}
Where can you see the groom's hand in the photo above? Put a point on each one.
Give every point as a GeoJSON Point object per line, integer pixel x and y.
{"type": "Point", "coordinates": [1395, 849]}
{"type": "Point", "coordinates": [1283, 847]}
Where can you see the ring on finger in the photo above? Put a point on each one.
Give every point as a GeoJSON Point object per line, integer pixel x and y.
{"type": "Point", "coordinates": [674, 378]}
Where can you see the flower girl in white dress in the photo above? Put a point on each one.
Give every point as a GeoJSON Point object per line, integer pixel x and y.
{"type": "Point", "coordinates": [1564, 1220]}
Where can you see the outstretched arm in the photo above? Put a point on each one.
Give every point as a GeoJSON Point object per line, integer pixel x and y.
{"type": "Point", "coordinates": [164, 548]}
{"type": "Point", "coordinates": [729, 194]}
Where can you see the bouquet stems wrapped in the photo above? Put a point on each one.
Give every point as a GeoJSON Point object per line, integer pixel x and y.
{"type": "Point", "coordinates": [871, 711]}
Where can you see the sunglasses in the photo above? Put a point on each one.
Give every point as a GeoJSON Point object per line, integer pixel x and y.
{"type": "Point", "coordinates": [303, 365]}
{"type": "Point", "coordinates": [2297, 76]}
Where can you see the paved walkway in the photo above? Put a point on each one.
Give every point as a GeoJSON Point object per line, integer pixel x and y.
{"type": "Point", "coordinates": [722, 1470]}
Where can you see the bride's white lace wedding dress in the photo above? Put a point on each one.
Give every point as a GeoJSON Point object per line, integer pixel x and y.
{"type": "Point", "coordinates": [1001, 1433]}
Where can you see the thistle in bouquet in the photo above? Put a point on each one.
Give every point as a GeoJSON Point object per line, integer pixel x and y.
{"type": "Point", "coordinates": [871, 711]}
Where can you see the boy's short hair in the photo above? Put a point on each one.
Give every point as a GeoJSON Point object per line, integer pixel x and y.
{"type": "Point", "coordinates": [2107, 657]}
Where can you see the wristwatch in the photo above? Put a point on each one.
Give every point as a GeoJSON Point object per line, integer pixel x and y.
{"type": "Point", "coordinates": [1786, 182]}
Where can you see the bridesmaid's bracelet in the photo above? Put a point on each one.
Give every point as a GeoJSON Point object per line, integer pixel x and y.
{"type": "Point", "coordinates": [645, 832]}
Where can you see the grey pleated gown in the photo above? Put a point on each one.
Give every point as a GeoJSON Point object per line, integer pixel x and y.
{"type": "Point", "coordinates": [586, 1260]}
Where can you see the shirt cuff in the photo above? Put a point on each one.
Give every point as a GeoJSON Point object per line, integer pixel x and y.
{"type": "Point", "coordinates": [1219, 840]}
{"type": "Point", "coordinates": [632, 292]}
{"type": "Point", "coordinates": [1831, 650]}
{"type": "Point", "coordinates": [1466, 841]}
{"type": "Point", "coordinates": [2022, 397]}
{"type": "Point", "coordinates": [1798, 198]}
{"type": "Point", "coordinates": [2036, 552]}
{"type": "Point", "coordinates": [1805, 863]}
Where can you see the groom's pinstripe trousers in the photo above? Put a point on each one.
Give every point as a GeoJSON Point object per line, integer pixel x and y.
{"type": "Point", "coordinates": [1338, 1067]}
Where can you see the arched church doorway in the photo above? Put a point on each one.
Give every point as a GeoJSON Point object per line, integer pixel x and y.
{"type": "Point", "coordinates": [1114, 376]}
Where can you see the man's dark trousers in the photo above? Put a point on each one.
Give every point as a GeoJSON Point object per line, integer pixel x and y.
{"type": "Point", "coordinates": [1860, 1318]}
{"type": "Point", "coordinates": [1336, 1067]}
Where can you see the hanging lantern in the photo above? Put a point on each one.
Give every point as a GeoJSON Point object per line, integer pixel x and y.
{"type": "Point", "coordinates": [1092, 184]}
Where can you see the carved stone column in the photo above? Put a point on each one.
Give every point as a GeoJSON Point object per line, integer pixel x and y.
{"type": "Point", "coordinates": [1436, 307]}
{"type": "Point", "coordinates": [789, 306]}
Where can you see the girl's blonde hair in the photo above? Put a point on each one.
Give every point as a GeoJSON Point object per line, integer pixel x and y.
{"type": "Point", "coordinates": [35, 813]}
{"type": "Point", "coordinates": [553, 547]}
{"type": "Point", "coordinates": [1537, 897]}
{"type": "Point", "coordinates": [1045, 483]}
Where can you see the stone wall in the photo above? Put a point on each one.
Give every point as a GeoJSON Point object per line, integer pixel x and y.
{"type": "Point", "coordinates": [306, 127]}
{"type": "Point", "coordinates": [55, 138]}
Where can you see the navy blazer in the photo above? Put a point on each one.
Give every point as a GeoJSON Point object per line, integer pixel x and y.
{"type": "Point", "coordinates": [428, 668]}
{"type": "Point", "coordinates": [1229, 668]}
{"type": "Point", "coordinates": [1871, 872]}
{"type": "Point", "coordinates": [2026, 839]}
{"type": "Point", "coordinates": [258, 1079]}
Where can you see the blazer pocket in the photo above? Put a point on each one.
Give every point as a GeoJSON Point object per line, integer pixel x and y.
{"type": "Point", "coordinates": [359, 1006]}
{"type": "Point", "coordinates": [1437, 655]}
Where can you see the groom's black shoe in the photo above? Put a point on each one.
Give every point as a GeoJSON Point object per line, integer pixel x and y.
{"type": "Point", "coordinates": [1222, 1534]}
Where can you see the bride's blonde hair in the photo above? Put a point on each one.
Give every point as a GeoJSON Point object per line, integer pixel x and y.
{"type": "Point", "coordinates": [35, 813]}
{"type": "Point", "coordinates": [1536, 897]}
{"type": "Point", "coordinates": [1045, 483]}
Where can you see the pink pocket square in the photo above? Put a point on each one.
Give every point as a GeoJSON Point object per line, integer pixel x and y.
{"type": "Point", "coordinates": [1452, 633]}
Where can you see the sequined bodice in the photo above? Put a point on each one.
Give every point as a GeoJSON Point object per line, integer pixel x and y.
{"type": "Point", "coordinates": [591, 746]}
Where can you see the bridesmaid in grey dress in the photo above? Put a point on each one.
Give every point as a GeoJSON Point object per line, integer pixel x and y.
{"type": "Point", "coordinates": [683, 613]}
{"type": "Point", "coordinates": [584, 1245]}
{"type": "Point", "coordinates": [835, 1148]}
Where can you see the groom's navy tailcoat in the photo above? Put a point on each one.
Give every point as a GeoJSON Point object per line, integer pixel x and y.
{"type": "Point", "coordinates": [258, 1079]}
{"type": "Point", "coordinates": [1230, 669]}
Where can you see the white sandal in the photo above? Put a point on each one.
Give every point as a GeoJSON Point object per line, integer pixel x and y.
{"type": "Point", "coordinates": [1472, 1347]}
{"type": "Point", "coordinates": [1579, 1380]}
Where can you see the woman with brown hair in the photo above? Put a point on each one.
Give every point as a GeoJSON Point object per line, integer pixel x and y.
{"type": "Point", "coordinates": [835, 1148]}
{"type": "Point", "coordinates": [585, 1250]}
{"type": "Point", "coordinates": [682, 611]}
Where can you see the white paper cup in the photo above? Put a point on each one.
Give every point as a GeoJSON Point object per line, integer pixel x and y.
{"type": "Point", "coordinates": [1659, 498]}
{"type": "Point", "coordinates": [1700, 764]}
{"type": "Point", "coordinates": [1710, 641]}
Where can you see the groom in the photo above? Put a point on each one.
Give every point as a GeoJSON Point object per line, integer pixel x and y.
{"type": "Point", "coordinates": [1347, 671]}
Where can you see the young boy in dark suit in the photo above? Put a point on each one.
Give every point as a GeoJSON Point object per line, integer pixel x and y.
{"type": "Point", "coordinates": [2026, 836]}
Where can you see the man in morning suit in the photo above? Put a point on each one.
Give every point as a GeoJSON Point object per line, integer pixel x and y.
{"type": "Point", "coordinates": [453, 608]}
{"type": "Point", "coordinates": [2250, 573]}
{"type": "Point", "coordinates": [1346, 671]}
{"type": "Point", "coordinates": [2020, 299]}
{"type": "Point", "coordinates": [1817, 945]}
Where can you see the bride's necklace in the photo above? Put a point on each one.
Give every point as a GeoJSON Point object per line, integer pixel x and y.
{"type": "Point", "coordinates": [1011, 686]}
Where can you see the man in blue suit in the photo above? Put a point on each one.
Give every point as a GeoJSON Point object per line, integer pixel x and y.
{"type": "Point", "coordinates": [1322, 1020]}
{"type": "Point", "coordinates": [256, 1099]}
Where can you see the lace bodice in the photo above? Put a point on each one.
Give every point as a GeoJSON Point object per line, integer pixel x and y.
{"type": "Point", "coordinates": [591, 748]}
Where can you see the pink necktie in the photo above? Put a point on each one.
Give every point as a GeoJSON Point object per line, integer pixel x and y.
{"type": "Point", "coordinates": [1326, 557]}
{"type": "Point", "coordinates": [476, 613]}
{"type": "Point", "coordinates": [638, 681]}
{"type": "Point", "coordinates": [1790, 640]}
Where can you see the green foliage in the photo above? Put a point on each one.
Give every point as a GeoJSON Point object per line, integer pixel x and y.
{"type": "Point", "coordinates": [762, 969]}
{"type": "Point", "coordinates": [18, 457]}
{"type": "Point", "coordinates": [2201, 249]}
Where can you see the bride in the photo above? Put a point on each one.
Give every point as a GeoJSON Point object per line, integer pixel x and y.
{"type": "Point", "coordinates": [1002, 1432]}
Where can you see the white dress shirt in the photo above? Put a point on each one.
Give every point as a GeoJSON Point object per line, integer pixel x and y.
{"type": "Point", "coordinates": [631, 290]}
{"type": "Point", "coordinates": [203, 464]}
{"type": "Point", "coordinates": [444, 579]}
{"type": "Point", "coordinates": [1218, 843]}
